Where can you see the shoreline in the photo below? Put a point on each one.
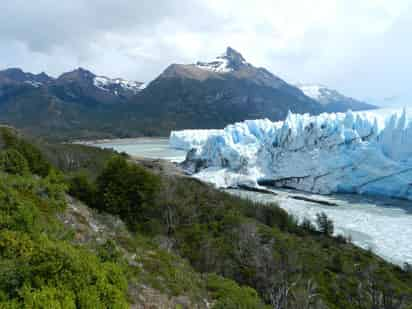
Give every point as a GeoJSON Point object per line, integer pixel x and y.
{"type": "Point", "coordinates": [119, 141]}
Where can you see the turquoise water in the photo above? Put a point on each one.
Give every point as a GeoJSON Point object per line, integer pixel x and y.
{"type": "Point", "coordinates": [154, 148]}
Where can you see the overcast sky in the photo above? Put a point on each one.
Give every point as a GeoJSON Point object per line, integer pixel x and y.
{"type": "Point", "coordinates": [360, 47]}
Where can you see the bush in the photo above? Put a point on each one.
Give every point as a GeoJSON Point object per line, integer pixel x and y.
{"type": "Point", "coordinates": [12, 162]}
{"type": "Point", "coordinates": [229, 295]}
{"type": "Point", "coordinates": [37, 163]}
{"type": "Point", "coordinates": [127, 190]}
{"type": "Point", "coordinates": [81, 188]}
{"type": "Point", "coordinates": [54, 274]}
{"type": "Point", "coordinates": [271, 215]}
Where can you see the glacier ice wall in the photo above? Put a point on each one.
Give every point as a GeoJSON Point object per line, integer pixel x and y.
{"type": "Point", "coordinates": [188, 139]}
{"type": "Point", "coordinates": [344, 152]}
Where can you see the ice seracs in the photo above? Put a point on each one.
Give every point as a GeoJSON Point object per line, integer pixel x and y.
{"type": "Point", "coordinates": [188, 139]}
{"type": "Point", "coordinates": [338, 152]}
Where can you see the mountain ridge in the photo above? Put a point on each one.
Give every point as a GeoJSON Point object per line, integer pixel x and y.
{"type": "Point", "coordinates": [80, 104]}
{"type": "Point", "coordinates": [227, 89]}
{"type": "Point", "coordinates": [333, 100]}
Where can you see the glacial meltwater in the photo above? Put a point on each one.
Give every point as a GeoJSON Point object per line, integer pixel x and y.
{"type": "Point", "coordinates": [152, 148]}
{"type": "Point", "coordinates": [382, 225]}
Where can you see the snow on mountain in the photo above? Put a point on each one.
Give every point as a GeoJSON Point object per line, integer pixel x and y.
{"type": "Point", "coordinates": [322, 94]}
{"type": "Point", "coordinates": [313, 91]}
{"type": "Point", "coordinates": [33, 83]}
{"type": "Point", "coordinates": [366, 152]}
{"type": "Point", "coordinates": [230, 61]}
{"type": "Point", "coordinates": [332, 100]}
{"type": "Point", "coordinates": [108, 84]}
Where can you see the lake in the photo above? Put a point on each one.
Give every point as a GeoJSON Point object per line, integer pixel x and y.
{"type": "Point", "coordinates": [380, 224]}
{"type": "Point", "coordinates": [153, 148]}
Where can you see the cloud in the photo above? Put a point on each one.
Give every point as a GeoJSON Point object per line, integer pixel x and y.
{"type": "Point", "coordinates": [325, 41]}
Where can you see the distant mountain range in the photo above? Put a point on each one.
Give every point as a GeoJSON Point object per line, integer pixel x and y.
{"type": "Point", "coordinates": [332, 100]}
{"type": "Point", "coordinates": [80, 104]}
{"type": "Point", "coordinates": [78, 84]}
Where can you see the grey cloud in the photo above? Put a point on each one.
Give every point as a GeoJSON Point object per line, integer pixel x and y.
{"type": "Point", "coordinates": [45, 24]}
{"type": "Point", "coordinates": [137, 39]}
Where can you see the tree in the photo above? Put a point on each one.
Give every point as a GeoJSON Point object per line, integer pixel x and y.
{"type": "Point", "coordinates": [12, 162]}
{"type": "Point", "coordinates": [127, 190]}
{"type": "Point", "coordinates": [81, 188]}
{"type": "Point", "coordinates": [307, 225]}
{"type": "Point", "coordinates": [36, 161]}
{"type": "Point", "coordinates": [325, 225]}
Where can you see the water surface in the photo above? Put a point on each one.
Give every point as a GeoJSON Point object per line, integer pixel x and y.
{"type": "Point", "coordinates": [154, 148]}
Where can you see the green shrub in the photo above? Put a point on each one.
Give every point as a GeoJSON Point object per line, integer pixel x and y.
{"type": "Point", "coordinates": [271, 215]}
{"type": "Point", "coordinates": [48, 297]}
{"type": "Point", "coordinates": [83, 189]}
{"type": "Point", "coordinates": [36, 161]}
{"type": "Point", "coordinates": [12, 162]}
{"type": "Point", "coordinates": [127, 190]}
{"type": "Point", "coordinates": [55, 274]}
{"type": "Point", "coordinates": [229, 295]}
{"type": "Point", "coordinates": [38, 268]}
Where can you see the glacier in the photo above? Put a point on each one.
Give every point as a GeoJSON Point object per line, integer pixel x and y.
{"type": "Point", "coordinates": [188, 139]}
{"type": "Point", "coordinates": [362, 153]}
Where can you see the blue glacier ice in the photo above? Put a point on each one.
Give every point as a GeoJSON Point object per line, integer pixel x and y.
{"type": "Point", "coordinates": [365, 153]}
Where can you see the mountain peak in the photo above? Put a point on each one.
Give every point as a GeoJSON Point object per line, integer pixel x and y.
{"type": "Point", "coordinates": [78, 74]}
{"type": "Point", "coordinates": [230, 61]}
{"type": "Point", "coordinates": [233, 56]}
{"type": "Point", "coordinates": [83, 72]}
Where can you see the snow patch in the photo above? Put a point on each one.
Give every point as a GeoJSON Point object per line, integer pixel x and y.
{"type": "Point", "coordinates": [33, 83]}
{"type": "Point", "coordinates": [322, 94]}
{"type": "Point", "coordinates": [108, 84]}
{"type": "Point", "coordinates": [312, 91]}
{"type": "Point", "coordinates": [228, 62]}
{"type": "Point", "coordinates": [218, 66]}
